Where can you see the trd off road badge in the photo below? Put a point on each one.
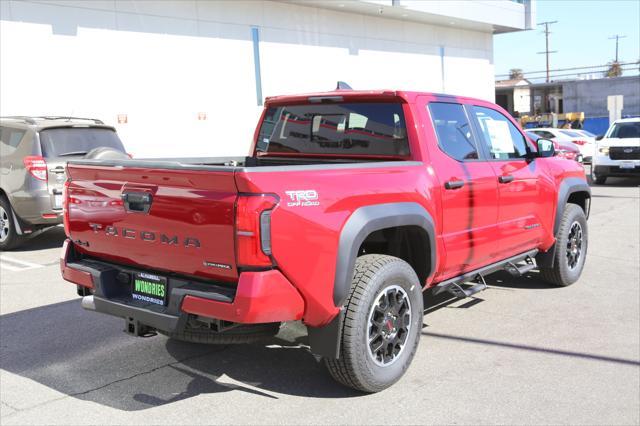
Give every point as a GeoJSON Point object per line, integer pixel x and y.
{"type": "Point", "coordinates": [303, 198]}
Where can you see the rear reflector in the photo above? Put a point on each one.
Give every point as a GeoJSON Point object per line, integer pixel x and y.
{"type": "Point", "coordinates": [579, 142]}
{"type": "Point", "coordinates": [49, 216]}
{"type": "Point", "coordinates": [36, 166]}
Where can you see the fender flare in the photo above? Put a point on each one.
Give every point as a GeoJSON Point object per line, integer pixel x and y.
{"type": "Point", "coordinates": [567, 187]}
{"type": "Point", "coordinates": [325, 341]}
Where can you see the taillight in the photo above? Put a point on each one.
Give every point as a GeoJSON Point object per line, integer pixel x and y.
{"type": "Point", "coordinates": [253, 229]}
{"type": "Point", "coordinates": [579, 142]}
{"type": "Point", "coordinates": [36, 165]}
{"type": "Point", "coordinates": [65, 207]}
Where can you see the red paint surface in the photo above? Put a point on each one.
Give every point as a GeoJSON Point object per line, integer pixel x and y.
{"type": "Point", "coordinates": [73, 275]}
{"type": "Point", "coordinates": [186, 204]}
{"type": "Point", "coordinates": [261, 297]}
{"type": "Point", "coordinates": [479, 224]}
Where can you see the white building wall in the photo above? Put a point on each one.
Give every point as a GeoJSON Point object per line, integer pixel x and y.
{"type": "Point", "coordinates": [522, 99]}
{"type": "Point", "coordinates": [162, 63]}
{"type": "Point", "coordinates": [493, 12]}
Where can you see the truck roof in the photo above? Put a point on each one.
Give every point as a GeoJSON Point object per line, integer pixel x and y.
{"type": "Point", "coordinates": [407, 96]}
{"type": "Point", "coordinates": [628, 120]}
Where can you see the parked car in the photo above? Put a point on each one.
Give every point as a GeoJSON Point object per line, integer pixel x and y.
{"type": "Point", "coordinates": [349, 206]}
{"type": "Point", "coordinates": [563, 148]}
{"type": "Point", "coordinates": [33, 154]}
{"type": "Point", "coordinates": [617, 151]}
{"type": "Point", "coordinates": [585, 133]}
{"type": "Point", "coordinates": [585, 144]}
{"type": "Point", "coordinates": [583, 141]}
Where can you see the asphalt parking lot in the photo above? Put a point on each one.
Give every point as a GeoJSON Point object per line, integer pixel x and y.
{"type": "Point", "coordinates": [520, 353]}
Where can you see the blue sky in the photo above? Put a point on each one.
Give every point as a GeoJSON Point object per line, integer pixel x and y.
{"type": "Point", "coordinates": [581, 36]}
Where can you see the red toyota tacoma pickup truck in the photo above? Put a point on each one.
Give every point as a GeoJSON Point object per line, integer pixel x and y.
{"type": "Point", "coordinates": [349, 207]}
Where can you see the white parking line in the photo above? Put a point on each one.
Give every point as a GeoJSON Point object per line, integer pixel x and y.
{"type": "Point", "coordinates": [13, 264]}
{"type": "Point", "coordinates": [9, 267]}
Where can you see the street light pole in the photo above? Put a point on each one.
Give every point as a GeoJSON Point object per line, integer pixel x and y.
{"type": "Point", "coordinates": [617, 37]}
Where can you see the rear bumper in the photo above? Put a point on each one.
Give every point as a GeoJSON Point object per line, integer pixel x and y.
{"type": "Point", "coordinates": [35, 208]}
{"type": "Point", "coordinates": [258, 297]}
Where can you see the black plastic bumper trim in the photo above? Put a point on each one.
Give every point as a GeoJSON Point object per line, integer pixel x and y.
{"type": "Point", "coordinates": [152, 319]}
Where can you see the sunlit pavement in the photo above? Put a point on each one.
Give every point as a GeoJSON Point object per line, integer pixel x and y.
{"type": "Point", "coordinates": [521, 352]}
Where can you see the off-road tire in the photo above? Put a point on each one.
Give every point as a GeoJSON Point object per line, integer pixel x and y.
{"type": "Point", "coordinates": [250, 333]}
{"type": "Point", "coordinates": [355, 366]}
{"type": "Point", "coordinates": [12, 240]}
{"type": "Point", "coordinates": [561, 274]}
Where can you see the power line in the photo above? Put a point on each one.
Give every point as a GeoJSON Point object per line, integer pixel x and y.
{"type": "Point", "coordinates": [553, 76]}
{"type": "Point", "coordinates": [569, 69]}
{"type": "Point", "coordinates": [546, 36]}
{"type": "Point", "coordinates": [576, 74]}
{"type": "Point", "coordinates": [617, 37]}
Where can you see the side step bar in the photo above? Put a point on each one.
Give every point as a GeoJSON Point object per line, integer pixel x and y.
{"type": "Point", "coordinates": [455, 285]}
{"type": "Point", "coordinates": [457, 290]}
{"type": "Point", "coordinates": [519, 270]}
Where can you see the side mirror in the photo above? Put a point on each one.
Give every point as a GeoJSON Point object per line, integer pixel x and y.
{"type": "Point", "coordinates": [599, 137]}
{"type": "Point", "coordinates": [545, 148]}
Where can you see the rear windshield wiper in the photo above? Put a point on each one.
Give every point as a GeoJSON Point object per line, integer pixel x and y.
{"type": "Point", "coordinates": [72, 153]}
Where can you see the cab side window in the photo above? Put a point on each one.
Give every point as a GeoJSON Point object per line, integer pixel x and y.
{"type": "Point", "coordinates": [503, 139]}
{"type": "Point", "coordinates": [453, 131]}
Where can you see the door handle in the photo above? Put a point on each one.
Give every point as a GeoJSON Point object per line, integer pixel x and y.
{"type": "Point", "coordinates": [454, 184]}
{"type": "Point", "coordinates": [137, 202]}
{"type": "Point", "coordinates": [505, 179]}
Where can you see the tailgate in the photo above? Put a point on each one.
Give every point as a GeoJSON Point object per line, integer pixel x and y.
{"type": "Point", "coordinates": [174, 220]}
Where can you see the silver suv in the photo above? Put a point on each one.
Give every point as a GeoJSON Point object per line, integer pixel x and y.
{"type": "Point", "coordinates": [33, 155]}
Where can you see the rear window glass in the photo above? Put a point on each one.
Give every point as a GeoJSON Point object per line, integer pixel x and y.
{"type": "Point", "coordinates": [69, 141]}
{"type": "Point", "coordinates": [571, 134]}
{"type": "Point", "coordinates": [335, 129]}
{"type": "Point", "coordinates": [543, 134]}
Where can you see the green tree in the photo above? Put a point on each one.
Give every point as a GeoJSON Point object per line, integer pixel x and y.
{"type": "Point", "coordinates": [615, 69]}
{"type": "Point", "coordinates": [516, 74]}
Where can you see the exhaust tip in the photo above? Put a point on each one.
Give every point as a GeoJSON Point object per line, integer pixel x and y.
{"type": "Point", "coordinates": [88, 303]}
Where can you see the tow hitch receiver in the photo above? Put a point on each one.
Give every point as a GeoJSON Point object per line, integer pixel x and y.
{"type": "Point", "coordinates": [135, 328]}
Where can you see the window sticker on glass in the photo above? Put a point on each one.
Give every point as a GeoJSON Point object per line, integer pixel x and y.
{"type": "Point", "coordinates": [284, 119]}
{"type": "Point", "coordinates": [500, 137]}
{"type": "Point", "coordinates": [317, 119]}
{"type": "Point", "coordinates": [358, 121]}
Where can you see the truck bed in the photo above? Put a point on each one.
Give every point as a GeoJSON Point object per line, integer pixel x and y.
{"type": "Point", "coordinates": [222, 163]}
{"type": "Point", "coordinates": [188, 227]}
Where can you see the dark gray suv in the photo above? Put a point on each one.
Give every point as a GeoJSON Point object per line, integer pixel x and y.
{"type": "Point", "coordinates": [33, 155]}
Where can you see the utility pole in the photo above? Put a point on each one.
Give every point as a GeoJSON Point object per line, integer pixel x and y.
{"type": "Point", "coordinates": [547, 51]}
{"type": "Point", "coordinates": [617, 37]}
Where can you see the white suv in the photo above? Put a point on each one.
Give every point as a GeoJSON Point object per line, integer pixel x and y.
{"type": "Point", "coordinates": [617, 153]}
